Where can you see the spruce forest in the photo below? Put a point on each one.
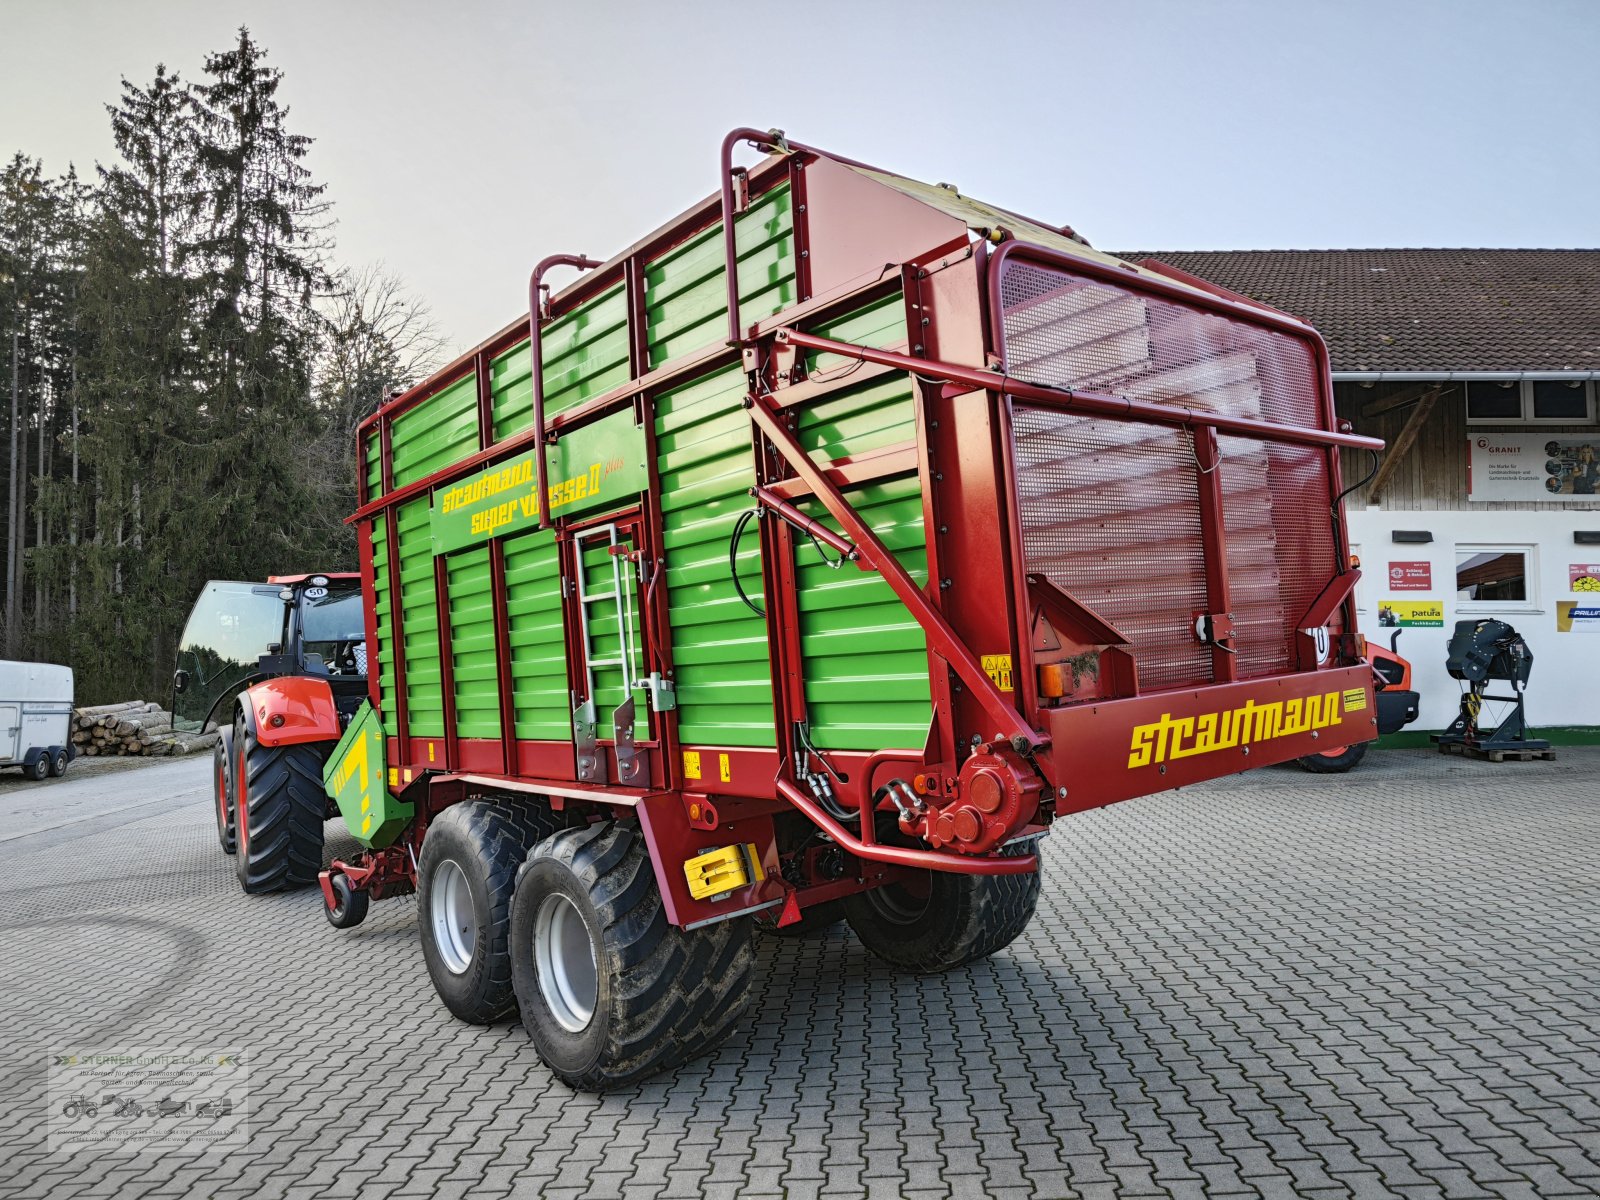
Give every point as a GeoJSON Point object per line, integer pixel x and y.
{"type": "Point", "coordinates": [185, 363]}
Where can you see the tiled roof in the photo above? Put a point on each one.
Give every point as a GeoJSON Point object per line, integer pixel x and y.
{"type": "Point", "coordinates": [1425, 310]}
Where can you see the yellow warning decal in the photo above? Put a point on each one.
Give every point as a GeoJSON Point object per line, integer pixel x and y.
{"type": "Point", "coordinates": [691, 764]}
{"type": "Point", "coordinates": [1355, 700]}
{"type": "Point", "coordinates": [394, 777]}
{"type": "Point", "coordinates": [725, 768]}
{"type": "Point", "coordinates": [998, 668]}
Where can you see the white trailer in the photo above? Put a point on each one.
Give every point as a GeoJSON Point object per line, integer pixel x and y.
{"type": "Point", "coordinates": [35, 718]}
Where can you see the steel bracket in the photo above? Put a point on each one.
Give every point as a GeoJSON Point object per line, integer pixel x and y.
{"type": "Point", "coordinates": [628, 761]}
{"type": "Point", "coordinates": [591, 763]}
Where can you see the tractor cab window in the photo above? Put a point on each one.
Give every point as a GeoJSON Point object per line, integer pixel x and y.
{"type": "Point", "coordinates": [333, 628]}
{"type": "Point", "coordinates": [230, 627]}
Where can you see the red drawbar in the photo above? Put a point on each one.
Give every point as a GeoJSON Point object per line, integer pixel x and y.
{"type": "Point", "coordinates": [292, 710]}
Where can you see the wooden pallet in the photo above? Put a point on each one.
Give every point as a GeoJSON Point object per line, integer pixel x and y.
{"type": "Point", "coordinates": [1497, 754]}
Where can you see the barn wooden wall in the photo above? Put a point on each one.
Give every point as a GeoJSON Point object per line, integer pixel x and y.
{"type": "Point", "coordinates": [1433, 475]}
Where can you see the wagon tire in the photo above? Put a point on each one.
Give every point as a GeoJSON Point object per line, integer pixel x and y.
{"type": "Point", "coordinates": [466, 875]}
{"type": "Point", "coordinates": [945, 921]}
{"type": "Point", "coordinates": [222, 791]}
{"type": "Point", "coordinates": [36, 764]}
{"type": "Point", "coordinates": [349, 903]}
{"type": "Point", "coordinates": [1334, 762]}
{"type": "Point", "coordinates": [59, 758]}
{"type": "Point", "coordinates": [610, 991]}
{"type": "Point", "coordinates": [278, 805]}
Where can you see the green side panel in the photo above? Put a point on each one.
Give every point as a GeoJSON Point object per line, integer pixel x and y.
{"type": "Point", "coordinates": [374, 464]}
{"type": "Point", "coordinates": [686, 291]}
{"type": "Point", "coordinates": [866, 664]}
{"type": "Point", "coordinates": [880, 325]}
{"type": "Point", "coordinates": [419, 620]}
{"type": "Point", "coordinates": [472, 644]}
{"type": "Point", "coordinates": [538, 643]}
{"type": "Point", "coordinates": [605, 624]}
{"type": "Point", "coordinates": [441, 430]}
{"type": "Point", "coordinates": [383, 652]}
{"type": "Point", "coordinates": [602, 464]}
{"type": "Point", "coordinates": [511, 391]}
{"type": "Point", "coordinates": [719, 647]}
{"type": "Point", "coordinates": [585, 353]}
{"type": "Point", "coordinates": [354, 777]}
{"type": "Point", "coordinates": [385, 647]}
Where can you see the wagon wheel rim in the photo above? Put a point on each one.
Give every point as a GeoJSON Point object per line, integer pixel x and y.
{"type": "Point", "coordinates": [564, 955]}
{"type": "Point", "coordinates": [903, 904]}
{"type": "Point", "coordinates": [454, 921]}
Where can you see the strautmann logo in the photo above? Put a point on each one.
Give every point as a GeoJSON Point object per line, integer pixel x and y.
{"type": "Point", "coordinates": [1184, 737]}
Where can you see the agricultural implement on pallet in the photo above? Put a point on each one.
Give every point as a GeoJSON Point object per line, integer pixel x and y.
{"type": "Point", "coordinates": [810, 557]}
{"type": "Point", "coordinates": [1483, 652]}
{"type": "Point", "coordinates": [279, 668]}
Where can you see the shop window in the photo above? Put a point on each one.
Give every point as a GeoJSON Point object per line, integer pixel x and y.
{"type": "Point", "coordinates": [1494, 577]}
{"type": "Point", "coordinates": [1530, 402]}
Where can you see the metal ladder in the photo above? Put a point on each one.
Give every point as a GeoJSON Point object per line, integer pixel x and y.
{"type": "Point", "coordinates": [591, 763]}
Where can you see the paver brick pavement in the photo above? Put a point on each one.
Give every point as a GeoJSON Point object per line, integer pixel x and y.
{"type": "Point", "coordinates": [1379, 984]}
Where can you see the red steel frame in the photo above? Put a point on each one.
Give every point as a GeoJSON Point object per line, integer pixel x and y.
{"type": "Point", "coordinates": [963, 693]}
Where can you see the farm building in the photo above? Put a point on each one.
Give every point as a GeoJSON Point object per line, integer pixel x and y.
{"type": "Point", "coordinates": [1481, 369]}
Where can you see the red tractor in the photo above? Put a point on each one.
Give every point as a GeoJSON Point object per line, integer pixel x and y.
{"type": "Point", "coordinates": [278, 668]}
{"type": "Point", "coordinates": [1395, 701]}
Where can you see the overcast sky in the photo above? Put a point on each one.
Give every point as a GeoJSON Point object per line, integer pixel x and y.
{"type": "Point", "coordinates": [462, 141]}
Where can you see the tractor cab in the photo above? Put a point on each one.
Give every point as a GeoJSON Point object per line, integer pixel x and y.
{"type": "Point", "coordinates": [241, 633]}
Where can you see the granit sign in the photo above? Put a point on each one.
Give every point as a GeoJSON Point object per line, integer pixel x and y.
{"type": "Point", "coordinates": [1534, 466]}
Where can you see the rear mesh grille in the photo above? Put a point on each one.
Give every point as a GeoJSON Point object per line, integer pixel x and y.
{"type": "Point", "coordinates": [1109, 509]}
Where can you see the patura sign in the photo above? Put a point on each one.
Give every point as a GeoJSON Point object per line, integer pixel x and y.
{"type": "Point", "coordinates": [1534, 466]}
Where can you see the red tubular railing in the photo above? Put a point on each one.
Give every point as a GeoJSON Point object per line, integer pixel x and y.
{"type": "Point", "coordinates": [536, 366]}
{"type": "Point", "coordinates": [770, 139]}
{"type": "Point", "coordinates": [903, 856]}
{"type": "Point", "coordinates": [943, 640]}
{"type": "Point", "coordinates": [1067, 400]}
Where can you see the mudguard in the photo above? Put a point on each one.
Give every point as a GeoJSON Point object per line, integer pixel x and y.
{"type": "Point", "coordinates": [291, 710]}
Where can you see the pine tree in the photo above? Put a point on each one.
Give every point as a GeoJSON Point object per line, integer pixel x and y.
{"type": "Point", "coordinates": [40, 219]}
{"type": "Point", "coordinates": [189, 374]}
{"type": "Point", "coordinates": [138, 390]}
{"type": "Point", "coordinates": [260, 262]}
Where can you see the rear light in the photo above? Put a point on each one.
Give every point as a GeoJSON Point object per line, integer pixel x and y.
{"type": "Point", "coordinates": [1361, 645]}
{"type": "Point", "coordinates": [1052, 680]}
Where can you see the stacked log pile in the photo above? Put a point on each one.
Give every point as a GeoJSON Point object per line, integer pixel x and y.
{"type": "Point", "coordinates": [133, 727]}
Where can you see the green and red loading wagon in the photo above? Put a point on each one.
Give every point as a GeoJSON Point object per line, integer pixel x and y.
{"type": "Point", "coordinates": [809, 558]}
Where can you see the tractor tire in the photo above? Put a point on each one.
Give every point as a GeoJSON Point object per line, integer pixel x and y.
{"type": "Point", "coordinates": [471, 854]}
{"type": "Point", "coordinates": [278, 804]}
{"type": "Point", "coordinates": [1334, 762]}
{"type": "Point", "coordinates": [36, 765]}
{"type": "Point", "coordinates": [222, 791]}
{"type": "Point", "coordinates": [945, 921]}
{"type": "Point", "coordinates": [610, 992]}
{"type": "Point", "coordinates": [59, 760]}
